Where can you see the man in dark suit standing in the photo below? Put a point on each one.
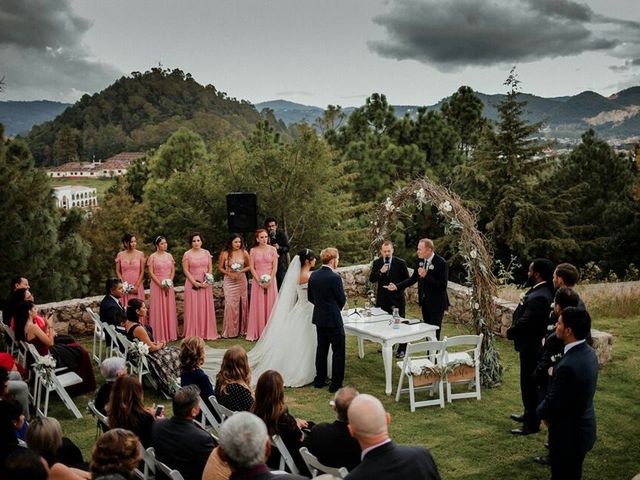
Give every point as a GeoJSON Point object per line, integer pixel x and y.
{"type": "Point", "coordinates": [279, 240]}
{"type": "Point", "coordinates": [179, 442]}
{"type": "Point", "coordinates": [332, 443]}
{"type": "Point", "coordinates": [528, 328]}
{"type": "Point", "coordinates": [568, 407]}
{"type": "Point", "coordinates": [381, 458]}
{"type": "Point", "coordinates": [326, 292]}
{"type": "Point", "coordinates": [432, 275]}
{"type": "Point", "coordinates": [388, 269]}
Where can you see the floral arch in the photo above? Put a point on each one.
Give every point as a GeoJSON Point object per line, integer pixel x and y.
{"type": "Point", "coordinates": [471, 246]}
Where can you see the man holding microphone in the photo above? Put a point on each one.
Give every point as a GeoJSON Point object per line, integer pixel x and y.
{"type": "Point", "coordinates": [388, 269]}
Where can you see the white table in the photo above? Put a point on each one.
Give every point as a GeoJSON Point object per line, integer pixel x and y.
{"type": "Point", "coordinates": [377, 329]}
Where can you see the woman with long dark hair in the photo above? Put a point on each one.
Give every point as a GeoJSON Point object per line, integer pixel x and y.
{"type": "Point", "coordinates": [263, 263]}
{"type": "Point", "coordinates": [163, 317]}
{"type": "Point", "coordinates": [163, 360]}
{"type": "Point", "coordinates": [126, 408]}
{"type": "Point", "coordinates": [233, 263]}
{"type": "Point", "coordinates": [130, 268]}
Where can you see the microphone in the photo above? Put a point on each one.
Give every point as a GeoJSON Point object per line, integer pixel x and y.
{"type": "Point", "coordinates": [421, 263]}
{"type": "Point", "coordinates": [387, 262]}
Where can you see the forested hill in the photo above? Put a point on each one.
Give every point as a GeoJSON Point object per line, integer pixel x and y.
{"type": "Point", "coordinates": [139, 112]}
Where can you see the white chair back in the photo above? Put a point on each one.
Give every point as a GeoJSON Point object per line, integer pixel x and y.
{"type": "Point", "coordinates": [316, 468]}
{"type": "Point", "coordinates": [463, 366]}
{"type": "Point", "coordinates": [222, 411]}
{"type": "Point", "coordinates": [165, 469]}
{"type": "Point", "coordinates": [421, 366]}
{"type": "Point", "coordinates": [208, 420]}
{"type": "Point", "coordinates": [286, 459]}
{"type": "Point", "coordinates": [98, 336]}
{"type": "Point", "coordinates": [101, 417]}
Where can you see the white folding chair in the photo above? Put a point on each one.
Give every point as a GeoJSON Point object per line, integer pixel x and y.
{"type": "Point", "coordinates": [222, 411]}
{"type": "Point", "coordinates": [99, 416]}
{"type": "Point", "coordinates": [316, 468]}
{"type": "Point", "coordinates": [208, 420]}
{"type": "Point", "coordinates": [286, 459]}
{"type": "Point", "coordinates": [139, 366]}
{"type": "Point", "coordinates": [463, 366]}
{"type": "Point", "coordinates": [10, 338]}
{"type": "Point", "coordinates": [149, 460]}
{"type": "Point", "coordinates": [115, 349]}
{"type": "Point", "coordinates": [421, 365]}
{"type": "Point", "coordinates": [98, 336]}
{"type": "Point", "coordinates": [57, 382]}
{"type": "Point", "coordinates": [166, 470]}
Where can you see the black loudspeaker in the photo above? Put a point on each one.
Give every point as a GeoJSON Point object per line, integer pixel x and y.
{"type": "Point", "coordinates": [242, 212]}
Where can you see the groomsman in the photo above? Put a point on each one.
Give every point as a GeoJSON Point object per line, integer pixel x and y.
{"type": "Point", "coordinates": [432, 275]}
{"type": "Point", "coordinates": [528, 328]}
{"type": "Point", "coordinates": [279, 240]}
{"type": "Point", "coordinates": [568, 407]}
{"type": "Point", "coordinates": [388, 269]}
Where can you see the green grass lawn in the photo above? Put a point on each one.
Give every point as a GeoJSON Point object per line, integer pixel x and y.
{"type": "Point", "coordinates": [100, 184]}
{"type": "Point", "coordinates": [469, 439]}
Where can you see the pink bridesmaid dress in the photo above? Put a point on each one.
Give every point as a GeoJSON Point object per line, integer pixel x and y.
{"type": "Point", "coordinates": [162, 315]}
{"type": "Point", "coordinates": [235, 303]}
{"type": "Point", "coordinates": [199, 313]}
{"type": "Point", "coordinates": [262, 300]}
{"type": "Point", "coordinates": [130, 274]}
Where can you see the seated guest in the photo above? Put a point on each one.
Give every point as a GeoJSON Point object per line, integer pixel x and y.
{"type": "Point", "coordinates": [126, 408]}
{"type": "Point", "coordinates": [233, 380]}
{"type": "Point", "coordinates": [111, 368]}
{"type": "Point", "coordinates": [381, 458]}
{"type": "Point", "coordinates": [178, 441]}
{"type": "Point", "coordinates": [332, 443]}
{"type": "Point", "coordinates": [116, 452]}
{"type": "Point", "coordinates": [72, 355]}
{"type": "Point", "coordinates": [110, 305]}
{"type": "Point", "coordinates": [12, 384]}
{"type": "Point", "coordinates": [245, 446]}
{"type": "Point", "coordinates": [270, 407]}
{"type": "Point", "coordinates": [44, 436]}
{"type": "Point", "coordinates": [11, 421]}
{"type": "Point", "coordinates": [16, 283]}
{"type": "Point", "coordinates": [191, 359]}
{"type": "Point", "coordinates": [164, 361]}
{"type": "Point", "coordinates": [25, 464]}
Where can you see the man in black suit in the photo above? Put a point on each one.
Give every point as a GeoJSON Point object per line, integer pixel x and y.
{"type": "Point", "coordinates": [110, 305]}
{"type": "Point", "coordinates": [528, 328]}
{"type": "Point", "coordinates": [568, 407]}
{"type": "Point", "coordinates": [332, 443]}
{"type": "Point", "coordinates": [245, 446]}
{"type": "Point", "coordinates": [388, 269]}
{"type": "Point", "coordinates": [179, 442]}
{"type": "Point", "coordinates": [279, 240]}
{"type": "Point", "coordinates": [432, 275]}
{"type": "Point", "coordinates": [326, 292]}
{"type": "Point", "coordinates": [381, 458]}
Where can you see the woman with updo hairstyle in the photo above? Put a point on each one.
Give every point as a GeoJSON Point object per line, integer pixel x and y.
{"type": "Point", "coordinates": [162, 317]}
{"type": "Point", "coordinates": [130, 268]}
{"type": "Point", "coordinates": [233, 382]}
{"type": "Point", "coordinates": [263, 263]}
{"type": "Point", "coordinates": [126, 408]}
{"type": "Point", "coordinates": [199, 311]}
{"type": "Point", "coordinates": [233, 263]}
{"type": "Point", "coordinates": [163, 360]}
{"type": "Point", "coordinates": [191, 373]}
{"type": "Point", "coordinates": [117, 451]}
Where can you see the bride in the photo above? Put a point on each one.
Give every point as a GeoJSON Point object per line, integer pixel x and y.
{"type": "Point", "coordinates": [288, 342]}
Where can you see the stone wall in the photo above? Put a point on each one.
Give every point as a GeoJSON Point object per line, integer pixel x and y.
{"type": "Point", "coordinates": [70, 316]}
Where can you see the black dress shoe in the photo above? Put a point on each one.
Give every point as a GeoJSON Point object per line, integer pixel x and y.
{"type": "Point", "coordinates": [517, 418]}
{"type": "Point", "coordinates": [524, 431]}
{"type": "Point", "coordinates": [544, 460]}
{"type": "Point", "coordinates": [334, 388]}
{"type": "Point", "coordinates": [321, 385]}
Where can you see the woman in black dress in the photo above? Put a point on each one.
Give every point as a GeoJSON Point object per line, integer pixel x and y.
{"type": "Point", "coordinates": [233, 382]}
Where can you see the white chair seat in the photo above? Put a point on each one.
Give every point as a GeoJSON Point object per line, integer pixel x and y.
{"type": "Point", "coordinates": [418, 358]}
{"type": "Point", "coordinates": [469, 363]}
{"type": "Point", "coordinates": [69, 378]}
{"type": "Point", "coordinates": [415, 366]}
{"type": "Point", "coordinates": [459, 357]}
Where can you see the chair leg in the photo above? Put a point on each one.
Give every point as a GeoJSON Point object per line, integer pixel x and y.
{"type": "Point", "coordinates": [400, 380]}
{"type": "Point", "coordinates": [441, 391]}
{"type": "Point", "coordinates": [412, 394]}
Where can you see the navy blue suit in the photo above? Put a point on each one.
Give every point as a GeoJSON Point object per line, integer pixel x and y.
{"type": "Point", "coordinates": [326, 292]}
{"type": "Point", "coordinates": [391, 461]}
{"type": "Point", "coordinates": [568, 407]}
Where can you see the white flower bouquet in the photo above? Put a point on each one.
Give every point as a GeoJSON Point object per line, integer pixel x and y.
{"type": "Point", "coordinates": [446, 206]}
{"type": "Point", "coordinates": [208, 278]}
{"type": "Point", "coordinates": [127, 287]}
{"type": "Point", "coordinates": [45, 366]}
{"type": "Point", "coordinates": [264, 279]}
{"type": "Point", "coordinates": [137, 351]}
{"type": "Point", "coordinates": [236, 267]}
{"type": "Point", "coordinates": [167, 283]}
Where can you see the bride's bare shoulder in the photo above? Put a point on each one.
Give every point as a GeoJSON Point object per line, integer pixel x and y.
{"type": "Point", "coordinates": [304, 278]}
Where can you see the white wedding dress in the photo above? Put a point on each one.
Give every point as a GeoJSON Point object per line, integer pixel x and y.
{"type": "Point", "coordinates": [288, 342]}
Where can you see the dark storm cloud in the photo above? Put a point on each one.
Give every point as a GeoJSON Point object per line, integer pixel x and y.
{"type": "Point", "coordinates": [450, 35]}
{"type": "Point", "coordinates": [42, 52]}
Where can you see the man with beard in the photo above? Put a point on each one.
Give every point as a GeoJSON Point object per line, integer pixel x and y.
{"type": "Point", "coordinates": [278, 239]}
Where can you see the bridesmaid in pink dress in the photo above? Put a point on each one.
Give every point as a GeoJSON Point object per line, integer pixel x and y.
{"type": "Point", "coordinates": [233, 263]}
{"type": "Point", "coordinates": [130, 268]}
{"type": "Point", "coordinates": [263, 259]}
{"type": "Point", "coordinates": [199, 313]}
{"type": "Point", "coordinates": [162, 318]}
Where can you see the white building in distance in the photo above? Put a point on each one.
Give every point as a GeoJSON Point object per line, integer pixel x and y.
{"type": "Point", "coordinates": [69, 196]}
{"type": "Point", "coordinates": [112, 167]}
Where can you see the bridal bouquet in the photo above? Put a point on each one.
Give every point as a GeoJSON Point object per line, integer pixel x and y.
{"type": "Point", "coordinates": [208, 278]}
{"type": "Point", "coordinates": [167, 283]}
{"type": "Point", "coordinates": [45, 366]}
{"type": "Point", "coordinates": [264, 279]}
{"type": "Point", "coordinates": [127, 287]}
{"type": "Point", "coordinates": [236, 267]}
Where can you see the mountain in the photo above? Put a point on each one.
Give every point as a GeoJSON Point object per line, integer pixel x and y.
{"type": "Point", "coordinates": [19, 117]}
{"type": "Point", "coordinates": [139, 112]}
{"type": "Point", "coordinates": [617, 116]}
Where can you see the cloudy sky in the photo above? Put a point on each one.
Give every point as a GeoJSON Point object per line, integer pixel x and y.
{"type": "Point", "coordinates": [321, 52]}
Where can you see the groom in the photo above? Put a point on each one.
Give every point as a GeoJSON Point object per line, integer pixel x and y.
{"type": "Point", "coordinates": [327, 295]}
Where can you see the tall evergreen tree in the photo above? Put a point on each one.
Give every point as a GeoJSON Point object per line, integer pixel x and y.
{"type": "Point", "coordinates": [463, 111]}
